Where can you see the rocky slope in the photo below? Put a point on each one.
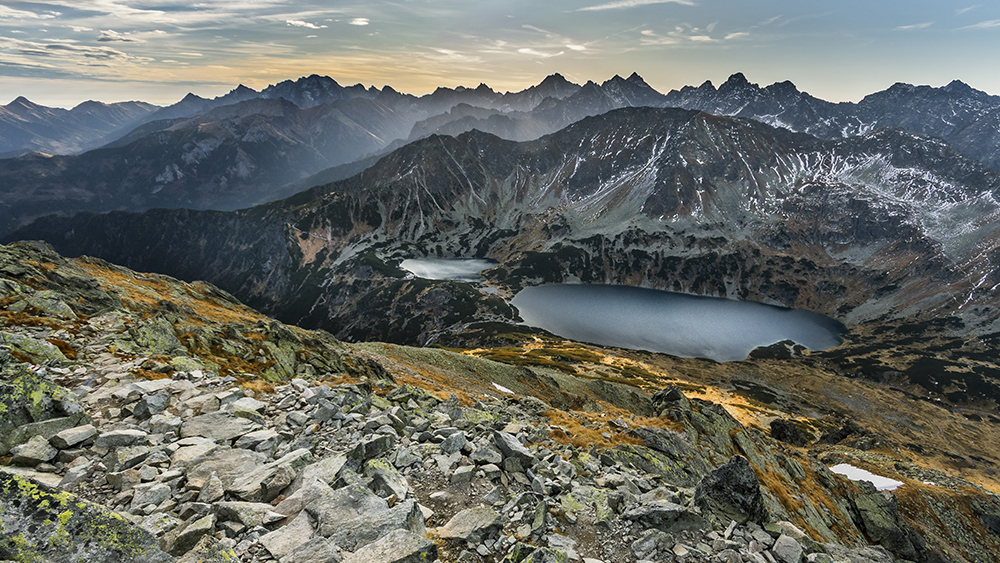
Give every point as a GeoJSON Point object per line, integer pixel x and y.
{"type": "Point", "coordinates": [162, 421]}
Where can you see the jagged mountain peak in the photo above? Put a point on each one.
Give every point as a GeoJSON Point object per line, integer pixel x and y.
{"type": "Point", "coordinates": [959, 87]}
{"type": "Point", "coordinates": [192, 97]}
{"type": "Point", "coordinates": [22, 102]}
{"type": "Point", "coordinates": [737, 81]}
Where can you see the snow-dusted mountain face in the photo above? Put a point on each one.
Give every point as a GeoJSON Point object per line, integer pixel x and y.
{"type": "Point", "coordinates": [879, 226]}
{"type": "Point", "coordinates": [966, 118]}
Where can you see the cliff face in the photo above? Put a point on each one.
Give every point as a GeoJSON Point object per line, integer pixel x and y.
{"type": "Point", "coordinates": [206, 431]}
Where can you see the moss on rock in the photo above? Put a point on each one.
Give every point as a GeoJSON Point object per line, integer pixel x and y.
{"type": "Point", "coordinates": [42, 524]}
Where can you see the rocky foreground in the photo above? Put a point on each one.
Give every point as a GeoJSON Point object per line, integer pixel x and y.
{"type": "Point", "coordinates": [144, 419]}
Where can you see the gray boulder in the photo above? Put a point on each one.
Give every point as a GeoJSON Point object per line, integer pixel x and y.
{"type": "Point", "coordinates": [218, 426]}
{"type": "Point", "coordinates": [72, 437]}
{"type": "Point", "coordinates": [36, 450]}
{"type": "Point", "coordinates": [265, 483]}
{"type": "Point", "coordinates": [732, 492]}
{"type": "Point", "coordinates": [472, 525]}
{"type": "Point", "coordinates": [511, 447]}
{"type": "Point", "coordinates": [373, 525]}
{"type": "Point", "coordinates": [284, 540]}
{"type": "Point", "coordinates": [333, 509]}
{"type": "Point", "coordinates": [398, 546]}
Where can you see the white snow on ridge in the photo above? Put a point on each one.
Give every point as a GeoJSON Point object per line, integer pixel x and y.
{"type": "Point", "coordinates": [503, 389]}
{"type": "Point", "coordinates": [857, 474]}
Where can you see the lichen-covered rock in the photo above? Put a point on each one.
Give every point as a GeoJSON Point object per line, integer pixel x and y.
{"type": "Point", "coordinates": [40, 524]}
{"type": "Point", "coordinates": [733, 492]}
{"type": "Point", "coordinates": [27, 397]}
{"type": "Point", "coordinates": [36, 350]}
{"type": "Point", "coordinates": [48, 303]}
{"type": "Point", "coordinates": [880, 519]}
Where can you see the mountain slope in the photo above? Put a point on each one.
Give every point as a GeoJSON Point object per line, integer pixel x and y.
{"type": "Point", "coordinates": [230, 157]}
{"type": "Point", "coordinates": [956, 113]}
{"type": "Point", "coordinates": [884, 224]}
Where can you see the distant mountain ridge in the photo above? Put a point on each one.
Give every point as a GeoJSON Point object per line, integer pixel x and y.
{"type": "Point", "coordinates": [26, 126]}
{"type": "Point", "coordinates": [249, 147]}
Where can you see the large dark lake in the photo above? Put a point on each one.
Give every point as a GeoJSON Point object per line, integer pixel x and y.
{"type": "Point", "coordinates": [670, 323]}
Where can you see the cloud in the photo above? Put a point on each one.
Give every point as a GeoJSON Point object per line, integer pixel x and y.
{"type": "Point", "coordinates": [961, 11]}
{"type": "Point", "coordinates": [576, 47]}
{"type": "Point", "coordinates": [359, 21]}
{"type": "Point", "coordinates": [914, 26]}
{"type": "Point", "coordinates": [534, 53]}
{"type": "Point", "coordinates": [8, 13]}
{"type": "Point", "coordinates": [305, 24]}
{"type": "Point", "coordinates": [622, 4]}
{"type": "Point", "coordinates": [737, 35]}
{"type": "Point", "coordinates": [988, 24]}
{"type": "Point", "coordinates": [110, 35]}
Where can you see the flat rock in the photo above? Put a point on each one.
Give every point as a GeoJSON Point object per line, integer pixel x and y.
{"type": "Point", "coordinates": [192, 534]}
{"type": "Point", "coordinates": [371, 526]}
{"type": "Point", "coordinates": [398, 546]}
{"type": "Point", "coordinates": [283, 541]}
{"type": "Point", "coordinates": [149, 493]}
{"type": "Point", "coordinates": [34, 451]}
{"type": "Point", "coordinates": [263, 484]}
{"type": "Point", "coordinates": [296, 502]}
{"type": "Point", "coordinates": [120, 438]}
{"type": "Point", "coordinates": [250, 514]}
{"type": "Point", "coordinates": [316, 550]}
{"type": "Point", "coordinates": [332, 509]}
{"type": "Point", "coordinates": [73, 436]}
{"type": "Point", "coordinates": [230, 465]}
{"type": "Point", "coordinates": [472, 524]}
{"type": "Point", "coordinates": [665, 516]}
{"type": "Point", "coordinates": [218, 426]}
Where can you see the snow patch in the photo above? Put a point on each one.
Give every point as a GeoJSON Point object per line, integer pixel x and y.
{"type": "Point", "coordinates": [503, 389]}
{"type": "Point", "coordinates": [857, 474]}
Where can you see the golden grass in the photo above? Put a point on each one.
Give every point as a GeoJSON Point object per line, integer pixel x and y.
{"type": "Point", "coordinates": [144, 292]}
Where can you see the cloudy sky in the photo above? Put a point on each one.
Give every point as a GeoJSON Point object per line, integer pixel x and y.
{"type": "Point", "coordinates": [62, 52]}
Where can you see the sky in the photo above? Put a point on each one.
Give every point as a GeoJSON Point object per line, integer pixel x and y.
{"type": "Point", "coordinates": [63, 52]}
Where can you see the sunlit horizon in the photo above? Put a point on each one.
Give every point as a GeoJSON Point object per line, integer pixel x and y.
{"type": "Point", "coordinates": [63, 52]}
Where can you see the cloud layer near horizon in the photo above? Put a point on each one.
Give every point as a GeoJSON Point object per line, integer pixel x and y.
{"type": "Point", "coordinates": [61, 51]}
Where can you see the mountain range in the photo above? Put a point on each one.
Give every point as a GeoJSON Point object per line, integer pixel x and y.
{"type": "Point", "coordinates": [249, 147]}
{"type": "Point", "coordinates": [304, 200]}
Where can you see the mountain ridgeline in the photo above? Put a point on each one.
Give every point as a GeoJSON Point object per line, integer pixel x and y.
{"type": "Point", "coordinates": [249, 147]}
{"type": "Point", "coordinates": [883, 225]}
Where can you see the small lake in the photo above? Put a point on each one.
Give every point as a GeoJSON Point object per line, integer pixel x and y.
{"type": "Point", "coordinates": [670, 323]}
{"type": "Point", "coordinates": [453, 269]}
